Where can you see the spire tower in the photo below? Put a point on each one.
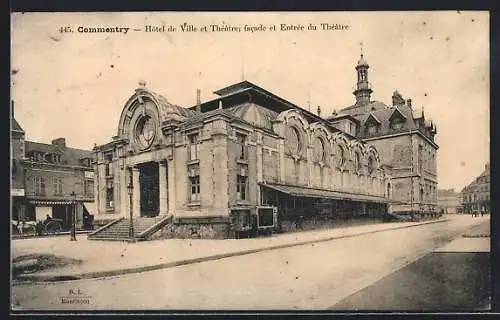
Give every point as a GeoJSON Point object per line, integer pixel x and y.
{"type": "Point", "coordinates": [363, 88]}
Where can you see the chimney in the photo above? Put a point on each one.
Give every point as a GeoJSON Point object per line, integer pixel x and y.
{"type": "Point", "coordinates": [60, 142]}
{"type": "Point", "coordinates": [397, 99]}
{"type": "Point", "coordinates": [198, 100]}
{"type": "Point", "coordinates": [220, 104]}
{"type": "Point", "coordinates": [408, 102]}
{"type": "Point", "coordinates": [319, 111]}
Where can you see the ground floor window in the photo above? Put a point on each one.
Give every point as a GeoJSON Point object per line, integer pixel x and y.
{"type": "Point", "coordinates": [194, 188]}
{"type": "Point", "coordinates": [241, 187]}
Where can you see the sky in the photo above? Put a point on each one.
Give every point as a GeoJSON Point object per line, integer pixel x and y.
{"type": "Point", "coordinates": [75, 85]}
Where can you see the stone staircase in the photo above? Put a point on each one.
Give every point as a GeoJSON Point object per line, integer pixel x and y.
{"type": "Point", "coordinates": [118, 230]}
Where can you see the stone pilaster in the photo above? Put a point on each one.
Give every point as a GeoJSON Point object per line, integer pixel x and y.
{"type": "Point", "coordinates": [281, 148]}
{"type": "Point", "coordinates": [123, 192]}
{"type": "Point", "coordinates": [310, 167]}
{"type": "Point", "coordinates": [260, 159]}
{"type": "Point", "coordinates": [163, 187]}
{"type": "Point", "coordinates": [136, 195]}
{"type": "Point", "coordinates": [171, 186]}
{"type": "Point", "coordinates": [101, 187]}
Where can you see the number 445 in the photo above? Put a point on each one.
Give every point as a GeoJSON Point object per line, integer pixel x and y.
{"type": "Point", "coordinates": [65, 30]}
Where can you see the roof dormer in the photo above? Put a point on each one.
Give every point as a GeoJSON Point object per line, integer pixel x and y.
{"type": "Point", "coordinates": [397, 119]}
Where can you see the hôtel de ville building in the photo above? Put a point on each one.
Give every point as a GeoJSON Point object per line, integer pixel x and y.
{"type": "Point", "coordinates": [251, 160]}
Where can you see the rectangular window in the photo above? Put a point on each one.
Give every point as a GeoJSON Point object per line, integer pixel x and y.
{"type": "Point", "coordinates": [241, 139]}
{"type": "Point", "coordinates": [56, 158]}
{"type": "Point", "coordinates": [88, 186]}
{"type": "Point", "coordinates": [193, 147]}
{"type": "Point", "coordinates": [372, 129]}
{"type": "Point", "coordinates": [420, 160]}
{"type": "Point", "coordinates": [57, 182]}
{"type": "Point", "coordinates": [241, 187]}
{"type": "Point", "coordinates": [109, 197]}
{"type": "Point", "coordinates": [40, 157]}
{"type": "Point", "coordinates": [39, 185]}
{"type": "Point", "coordinates": [194, 188]}
{"type": "Point", "coordinates": [397, 124]}
{"type": "Point", "coordinates": [109, 169]}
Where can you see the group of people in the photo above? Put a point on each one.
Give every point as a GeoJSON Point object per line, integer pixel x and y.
{"type": "Point", "coordinates": [476, 213]}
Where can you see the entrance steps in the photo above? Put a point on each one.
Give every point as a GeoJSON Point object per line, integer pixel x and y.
{"type": "Point", "coordinates": [118, 230]}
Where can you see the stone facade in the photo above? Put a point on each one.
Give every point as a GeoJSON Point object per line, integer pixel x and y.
{"type": "Point", "coordinates": [404, 139]}
{"type": "Point", "coordinates": [476, 195]}
{"type": "Point", "coordinates": [45, 175]}
{"type": "Point", "coordinates": [225, 157]}
{"type": "Point", "coordinates": [448, 200]}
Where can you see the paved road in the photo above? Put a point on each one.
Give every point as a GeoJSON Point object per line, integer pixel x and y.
{"type": "Point", "coordinates": [314, 276]}
{"type": "Point", "coordinates": [456, 277]}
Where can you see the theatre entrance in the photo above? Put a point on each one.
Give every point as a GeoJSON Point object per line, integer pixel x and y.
{"type": "Point", "coordinates": [149, 185]}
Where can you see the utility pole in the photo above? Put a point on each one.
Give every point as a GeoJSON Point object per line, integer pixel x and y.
{"type": "Point", "coordinates": [73, 216]}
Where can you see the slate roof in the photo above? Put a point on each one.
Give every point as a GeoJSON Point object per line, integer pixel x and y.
{"type": "Point", "coordinates": [166, 109]}
{"type": "Point", "coordinates": [69, 156]}
{"type": "Point", "coordinates": [384, 115]}
{"type": "Point", "coordinates": [254, 114]}
{"type": "Point", "coordinates": [15, 125]}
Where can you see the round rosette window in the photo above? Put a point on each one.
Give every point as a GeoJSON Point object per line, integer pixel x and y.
{"type": "Point", "coordinates": [145, 132]}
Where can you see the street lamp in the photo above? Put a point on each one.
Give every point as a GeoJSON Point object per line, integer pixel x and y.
{"type": "Point", "coordinates": [130, 190]}
{"type": "Point", "coordinates": [73, 214]}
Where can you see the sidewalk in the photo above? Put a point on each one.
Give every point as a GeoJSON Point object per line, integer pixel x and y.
{"type": "Point", "coordinates": [453, 277]}
{"type": "Point", "coordinates": [104, 259]}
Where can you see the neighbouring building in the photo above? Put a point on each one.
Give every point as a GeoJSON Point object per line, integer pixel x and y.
{"type": "Point", "coordinates": [227, 162]}
{"type": "Point", "coordinates": [404, 139]}
{"type": "Point", "coordinates": [44, 176]}
{"type": "Point", "coordinates": [448, 200]}
{"type": "Point", "coordinates": [476, 195]}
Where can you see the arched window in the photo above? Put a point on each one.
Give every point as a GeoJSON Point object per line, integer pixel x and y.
{"type": "Point", "coordinates": [357, 162]}
{"type": "Point", "coordinates": [372, 164]}
{"type": "Point", "coordinates": [319, 150]}
{"type": "Point", "coordinates": [339, 155]}
{"type": "Point", "coordinates": [292, 140]}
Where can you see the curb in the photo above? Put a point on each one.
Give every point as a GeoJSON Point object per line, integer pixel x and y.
{"type": "Point", "coordinates": [60, 234]}
{"type": "Point", "coordinates": [110, 273]}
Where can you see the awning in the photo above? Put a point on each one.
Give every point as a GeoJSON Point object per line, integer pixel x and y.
{"type": "Point", "coordinates": [91, 207]}
{"type": "Point", "coordinates": [48, 203]}
{"type": "Point", "coordinates": [16, 192]}
{"type": "Point", "coordinates": [321, 193]}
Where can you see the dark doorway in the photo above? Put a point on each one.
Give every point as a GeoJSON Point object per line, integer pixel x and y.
{"type": "Point", "coordinates": [62, 212]}
{"type": "Point", "coordinates": [150, 195]}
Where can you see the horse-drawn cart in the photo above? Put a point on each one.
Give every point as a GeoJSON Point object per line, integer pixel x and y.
{"type": "Point", "coordinates": [31, 228]}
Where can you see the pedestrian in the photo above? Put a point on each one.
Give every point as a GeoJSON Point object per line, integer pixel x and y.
{"type": "Point", "coordinates": [20, 227]}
